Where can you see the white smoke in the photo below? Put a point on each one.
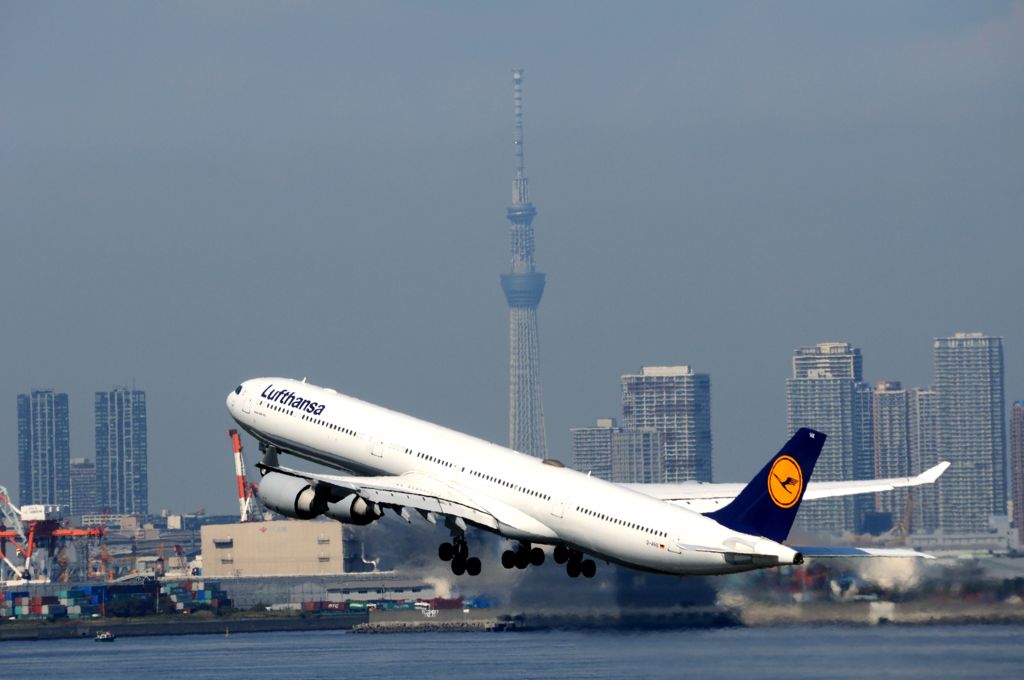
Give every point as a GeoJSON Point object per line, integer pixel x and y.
{"type": "Point", "coordinates": [891, 573]}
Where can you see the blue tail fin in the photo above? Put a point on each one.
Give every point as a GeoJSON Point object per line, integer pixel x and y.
{"type": "Point", "coordinates": [767, 505]}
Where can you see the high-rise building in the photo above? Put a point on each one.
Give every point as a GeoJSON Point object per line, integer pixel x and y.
{"type": "Point", "coordinates": [638, 456]}
{"type": "Point", "coordinates": [83, 487]}
{"type": "Point", "coordinates": [827, 393]}
{"type": "Point", "coordinates": [122, 465]}
{"type": "Point", "coordinates": [523, 287]}
{"type": "Point", "coordinates": [890, 417]}
{"type": "Point", "coordinates": [44, 448]}
{"type": "Point", "coordinates": [674, 402]}
{"type": "Point", "coordinates": [1017, 466]}
{"type": "Point", "coordinates": [592, 448]}
{"type": "Point", "coordinates": [969, 382]}
{"type": "Point", "coordinates": [924, 454]}
{"type": "Point", "coordinates": [617, 454]}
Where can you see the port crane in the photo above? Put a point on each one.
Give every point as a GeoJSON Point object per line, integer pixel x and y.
{"type": "Point", "coordinates": [29, 527]}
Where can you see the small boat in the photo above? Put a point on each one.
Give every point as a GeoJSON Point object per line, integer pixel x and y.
{"type": "Point", "coordinates": [105, 636]}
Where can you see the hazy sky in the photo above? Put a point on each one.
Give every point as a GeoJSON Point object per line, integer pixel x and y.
{"type": "Point", "coordinates": [195, 193]}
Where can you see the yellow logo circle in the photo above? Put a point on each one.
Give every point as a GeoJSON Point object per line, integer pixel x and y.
{"type": "Point", "coordinates": [785, 482]}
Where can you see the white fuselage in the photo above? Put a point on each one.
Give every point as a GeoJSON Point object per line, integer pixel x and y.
{"type": "Point", "coordinates": [559, 504]}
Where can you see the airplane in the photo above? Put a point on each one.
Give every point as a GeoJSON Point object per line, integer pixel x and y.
{"type": "Point", "coordinates": [392, 461]}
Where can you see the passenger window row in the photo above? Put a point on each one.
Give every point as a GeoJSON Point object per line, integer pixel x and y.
{"type": "Point", "coordinates": [329, 425]}
{"type": "Point", "coordinates": [621, 522]}
{"type": "Point", "coordinates": [432, 459]}
{"type": "Point", "coordinates": [510, 485]}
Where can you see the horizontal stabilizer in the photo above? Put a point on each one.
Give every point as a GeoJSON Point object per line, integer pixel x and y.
{"type": "Point", "coordinates": [818, 551]}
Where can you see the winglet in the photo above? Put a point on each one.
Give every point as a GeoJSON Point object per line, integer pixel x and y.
{"type": "Point", "coordinates": [931, 474]}
{"type": "Point", "coordinates": [767, 505]}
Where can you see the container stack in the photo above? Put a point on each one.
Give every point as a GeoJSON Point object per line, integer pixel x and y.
{"type": "Point", "coordinates": [82, 600]}
{"type": "Point", "coordinates": [11, 602]}
{"type": "Point", "coordinates": [189, 596]}
{"type": "Point", "coordinates": [23, 605]}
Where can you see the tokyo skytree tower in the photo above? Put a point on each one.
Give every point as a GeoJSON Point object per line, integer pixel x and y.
{"type": "Point", "coordinates": [523, 288]}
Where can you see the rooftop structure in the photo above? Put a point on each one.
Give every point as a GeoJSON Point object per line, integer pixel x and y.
{"type": "Point", "coordinates": [828, 360]}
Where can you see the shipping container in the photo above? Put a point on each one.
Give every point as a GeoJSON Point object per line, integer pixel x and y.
{"type": "Point", "coordinates": [446, 603]}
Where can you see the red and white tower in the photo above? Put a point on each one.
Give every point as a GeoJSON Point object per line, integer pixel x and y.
{"type": "Point", "coordinates": [246, 490]}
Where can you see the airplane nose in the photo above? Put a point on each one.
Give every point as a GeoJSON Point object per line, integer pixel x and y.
{"type": "Point", "coordinates": [232, 399]}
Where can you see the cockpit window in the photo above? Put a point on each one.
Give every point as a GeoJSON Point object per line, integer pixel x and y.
{"type": "Point", "coordinates": [238, 390]}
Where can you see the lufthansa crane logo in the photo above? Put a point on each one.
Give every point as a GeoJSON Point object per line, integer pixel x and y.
{"type": "Point", "coordinates": [785, 482]}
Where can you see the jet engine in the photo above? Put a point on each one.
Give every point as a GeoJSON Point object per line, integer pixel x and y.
{"type": "Point", "coordinates": [354, 509]}
{"type": "Point", "coordinates": [290, 496]}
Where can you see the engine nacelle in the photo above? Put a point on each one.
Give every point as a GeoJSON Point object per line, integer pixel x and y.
{"type": "Point", "coordinates": [290, 496]}
{"type": "Point", "coordinates": [353, 509]}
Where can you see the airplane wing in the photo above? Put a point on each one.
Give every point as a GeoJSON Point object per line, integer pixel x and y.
{"type": "Point", "coordinates": [432, 498]}
{"type": "Point", "coordinates": [704, 497]}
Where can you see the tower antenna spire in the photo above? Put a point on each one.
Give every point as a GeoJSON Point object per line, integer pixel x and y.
{"type": "Point", "coordinates": [519, 196]}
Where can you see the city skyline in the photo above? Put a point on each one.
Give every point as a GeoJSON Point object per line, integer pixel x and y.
{"type": "Point", "coordinates": [903, 425]}
{"type": "Point", "coordinates": [190, 199]}
{"type": "Point", "coordinates": [115, 479]}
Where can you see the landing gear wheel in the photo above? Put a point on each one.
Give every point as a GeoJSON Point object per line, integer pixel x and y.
{"type": "Point", "coordinates": [561, 554]}
{"type": "Point", "coordinates": [508, 559]}
{"type": "Point", "coordinates": [461, 550]}
{"type": "Point", "coordinates": [446, 551]}
{"type": "Point", "coordinates": [522, 559]}
{"type": "Point", "coordinates": [573, 569]}
{"type": "Point", "coordinates": [473, 566]}
{"type": "Point", "coordinates": [588, 568]}
{"type": "Point", "coordinates": [458, 566]}
{"type": "Point", "coordinates": [536, 557]}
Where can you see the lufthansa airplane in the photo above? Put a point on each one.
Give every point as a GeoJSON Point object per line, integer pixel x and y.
{"type": "Point", "coordinates": [388, 460]}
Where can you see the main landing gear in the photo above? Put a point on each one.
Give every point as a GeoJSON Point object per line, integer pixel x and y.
{"type": "Point", "coordinates": [574, 563]}
{"type": "Point", "coordinates": [457, 552]}
{"type": "Point", "coordinates": [522, 557]}
{"type": "Point", "coordinates": [269, 458]}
